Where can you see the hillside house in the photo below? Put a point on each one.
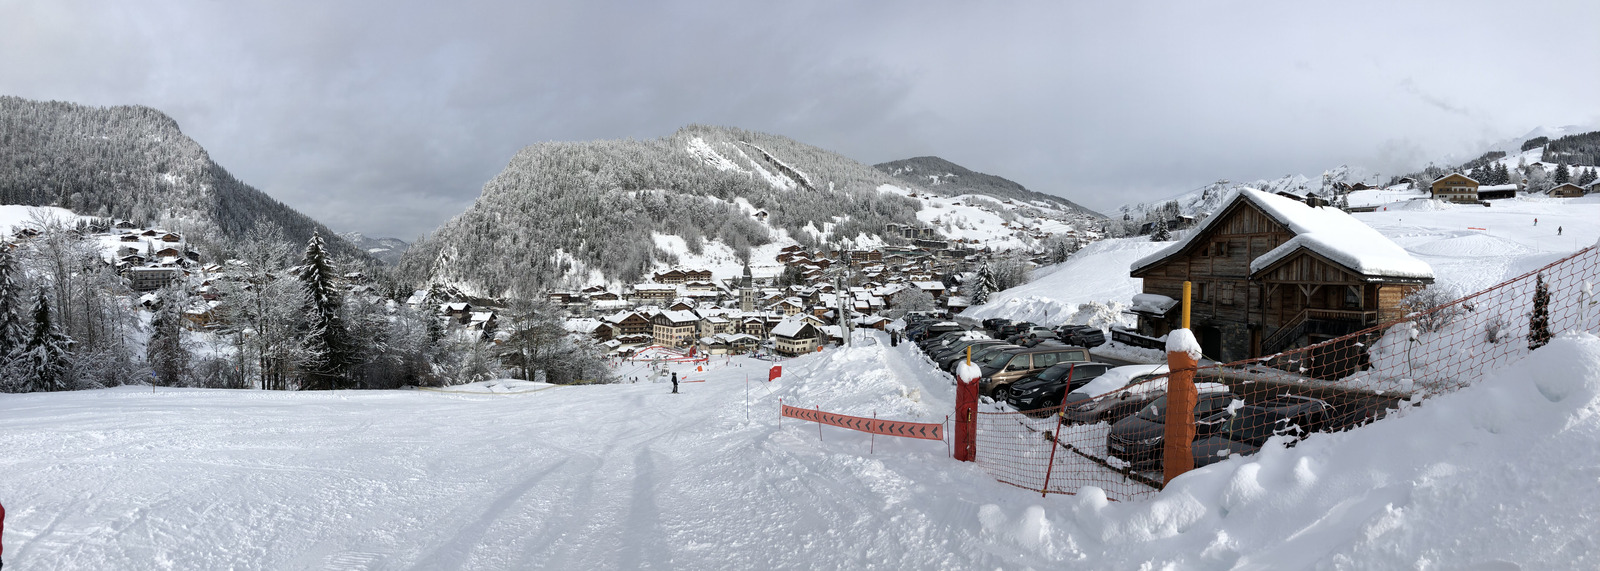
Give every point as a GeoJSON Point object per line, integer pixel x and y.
{"type": "Point", "coordinates": [1566, 190]}
{"type": "Point", "coordinates": [150, 279]}
{"type": "Point", "coordinates": [1271, 274]}
{"type": "Point", "coordinates": [669, 277]}
{"type": "Point", "coordinates": [1455, 187]}
{"type": "Point", "coordinates": [654, 293]}
{"type": "Point", "coordinates": [631, 323]}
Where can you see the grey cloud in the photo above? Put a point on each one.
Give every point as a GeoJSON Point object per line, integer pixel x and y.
{"type": "Point", "coordinates": [387, 117]}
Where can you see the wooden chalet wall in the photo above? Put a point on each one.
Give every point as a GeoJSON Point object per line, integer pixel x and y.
{"type": "Point", "coordinates": [1217, 263]}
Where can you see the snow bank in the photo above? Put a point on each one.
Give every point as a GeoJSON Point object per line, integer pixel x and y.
{"type": "Point", "coordinates": [1495, 476]}
{"type": "Point", "coordinates": [1092, 287]}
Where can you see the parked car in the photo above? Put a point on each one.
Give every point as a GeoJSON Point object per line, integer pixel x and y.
{"type": "Point", "coordinates": [937, 342]}
{"type": "Point", "coordinates": [1013, 328]}
{"type": "Point", "coordinates": [939, 328]}
{"type": "Point", "coordinates": [999, 374]}
{"type": "Point", "coordinates": [1246, 431]}
{"type": "Point", "coordinates": [948, 359]}
{"type": "Point", "coordinates": [1137, 439]}
{"type": "Point", "coordinates": [988, 355]}
{"type": "Point", "coordinates": [959, 349]}
{"type": "Point", "coordinates": [1081, 335]}
{"type": "Point", "coordinates": [1044, 390]}
{"type": "Point", "coordinates": [994, 323]}
{"type": "Point", "coordinates": [1118, 393]}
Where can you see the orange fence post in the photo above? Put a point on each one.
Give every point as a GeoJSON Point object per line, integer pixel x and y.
{"type": "Point", "coordinates": [1183, 353]}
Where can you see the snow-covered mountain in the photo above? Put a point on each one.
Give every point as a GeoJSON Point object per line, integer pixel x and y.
{"type": "Point", "coordinates": [571, 214]}
{"type": "Point", "coordinates": [942, 176]}
{"type": "Point", "coordinates": [133, 163]}
{"type": "Point", "coordinates": [386, 250]}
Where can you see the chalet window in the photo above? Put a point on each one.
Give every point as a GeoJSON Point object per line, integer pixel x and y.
{"type": "Point", "coordinates": [1352, 298]}
{"type": "Point", "coordinates": [1205, 292]}
{"type": "Point", "coordinates": [1227, 293]}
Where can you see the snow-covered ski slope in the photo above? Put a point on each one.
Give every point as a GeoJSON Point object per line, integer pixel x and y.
{"type": "Point", "coordinates": [630, 477]}
{"type": "Point", "coordinates": [1469, 247]}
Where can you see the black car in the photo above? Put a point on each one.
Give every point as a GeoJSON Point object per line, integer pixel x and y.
{"type": "Point", "coordinates": [994, 323]}
{"type": "Point", "coordinates": [1081, 335]}
{"type": "Point", "coordinates": [959, 349]}
{"type": "Point", "coordinates": [1137, 439]}
{"type": "Point", "coordinates": [948, 359]}
{"type": "Point", "coordinates": [1013, 328]}
{"type": "Point", "coordinates": [1222, 433]}
{"type": "Point", "coordinates": [1044, 389]}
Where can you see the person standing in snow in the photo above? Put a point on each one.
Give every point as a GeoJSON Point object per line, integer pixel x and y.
{"type": "Point", "coordinates": [1558, 230]}
{"type": "Point", "coordinates": [674, 383]}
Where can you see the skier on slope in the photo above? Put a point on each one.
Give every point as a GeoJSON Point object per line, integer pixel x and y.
{"type": "Point", "coordinates": [674, 383]}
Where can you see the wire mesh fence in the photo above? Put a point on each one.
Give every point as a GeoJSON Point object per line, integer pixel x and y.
{"type": "Point", "coordinates": [1113, 440]}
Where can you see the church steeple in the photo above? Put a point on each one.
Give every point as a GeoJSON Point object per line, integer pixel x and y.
{"type": "Point", "coordinates": [747, 290]}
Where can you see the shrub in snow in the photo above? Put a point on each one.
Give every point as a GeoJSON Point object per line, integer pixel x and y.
{"type": "Point", "coordinates": [1429, 308]}
{"type": "Point", "coordinates": [1494, 329]}
{"type": "Point", "coordinates": [1539, 320]}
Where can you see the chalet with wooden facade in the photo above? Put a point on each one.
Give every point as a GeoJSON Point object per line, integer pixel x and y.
{"type": "Point", "coordinates": [1455, 187]}
{"type": "Point", "coordinates": [796, 337]}
{"type": "Point", "coordinates": [1269, 273]}
{"type": "Point", "coordinates": [1566, 190]}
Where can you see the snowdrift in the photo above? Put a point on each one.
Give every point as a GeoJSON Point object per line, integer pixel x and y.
{"type": "Point", "coordinates": [1091, 287]}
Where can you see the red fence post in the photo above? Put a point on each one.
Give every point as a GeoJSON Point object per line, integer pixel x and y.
{"type": "Point", "coordinates": [1183, 353]}
{"type": "Point", "coordinates": [1055, 442]}
{"type": "Point", "coordinates": [966, 436]}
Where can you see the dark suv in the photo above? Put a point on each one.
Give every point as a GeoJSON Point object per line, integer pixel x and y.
{"type": "Point", "coordinates": [1044, 389]}
{"type": "Point", "coordinates": [1081, 335]}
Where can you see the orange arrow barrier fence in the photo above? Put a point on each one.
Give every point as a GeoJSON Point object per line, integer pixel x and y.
{"type": "Point", "coordinates": [923, 430]}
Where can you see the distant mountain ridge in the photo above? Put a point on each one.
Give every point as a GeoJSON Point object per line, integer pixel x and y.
{"type": "Point", "coordinates": [133, 163]}
{"type": "Point", "coordinates": [386, 250]}
{"type": "Point", "coordinates": [945, 177]}
{"type": "Point", "coordinates": [563, 214]}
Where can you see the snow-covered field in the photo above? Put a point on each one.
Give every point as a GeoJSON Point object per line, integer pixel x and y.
{"type": "Point", "coordinates": [1495, 476]}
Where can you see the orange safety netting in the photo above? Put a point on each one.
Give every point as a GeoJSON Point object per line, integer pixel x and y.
{"type": "Point", "coordinates": [1331, 385]}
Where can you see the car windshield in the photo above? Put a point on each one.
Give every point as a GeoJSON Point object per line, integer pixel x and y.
{"type": "Point", "coordinates": [1156, 412]}
{"type": "Point", "coordinates": [1253, 426]}
{"type": "Point", "coordinates": [991, 358]}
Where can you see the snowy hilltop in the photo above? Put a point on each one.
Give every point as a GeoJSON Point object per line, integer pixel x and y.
{"type": "Point", "coordinates": [567, 215]}
{"type": "Point", "coordinates": [945, 177]}
{"type": "Point", "coordinates": [133, 163]}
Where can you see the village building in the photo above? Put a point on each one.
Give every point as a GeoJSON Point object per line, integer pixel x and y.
{"type": "Point", "coordinates": [631, 323]}
{"type": "Point", "coordinates": [1269, 274]}
{"type": "Point", "coordinates": [1455, 187]}
{"type": "Point", "coordinates": [149, 278]}
{"type": "Point", "coordinates": [675, 328]}
{"type": "Point", "coordinates": [795, 337]}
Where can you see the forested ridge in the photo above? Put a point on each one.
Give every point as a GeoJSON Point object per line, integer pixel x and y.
{"type": "Point", "coordinates": [133, 163]}
{"type": "Point", "coordinates": [599, 202]}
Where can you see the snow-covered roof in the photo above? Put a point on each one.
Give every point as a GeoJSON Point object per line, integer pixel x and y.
{"type": "Point", "coordinates": [680, 316]}
{"type": "Point", "coordinates": [1325, 230]}
{"type": "Point", "coordinates": [1153, 303]}
{"type": "Point", "coordinates": [790, 327]}
{"type": "Point", "coordinates": [1494, 187]}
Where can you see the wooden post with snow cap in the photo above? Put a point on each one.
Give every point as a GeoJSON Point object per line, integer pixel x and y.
{"type": "Point", "coordinates": [1183, 357]}
{"type": "Point", "coordinates": [966, 436]}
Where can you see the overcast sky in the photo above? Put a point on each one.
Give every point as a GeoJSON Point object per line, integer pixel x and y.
{"type": "Point", "coordinates": [388, 117]}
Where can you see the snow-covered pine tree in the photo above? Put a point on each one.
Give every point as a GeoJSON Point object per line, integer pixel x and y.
{"type": "Point", "coordinates": [326, 346]}
{"type": "Point", "coordinates": [1586, 177]}
{"type": "Point", "coordinates": [1161, 234]}
{"type": "Point", "coordinates": [12, 334]}
{"type": "Point", "coordinates": [168, 358]}
{"type": "Point", "coordinates": [1563, 174]}
{"type": "Point", "coordinates": [1501, 174]}
{"type": "Point", "coordinates": [1539, 320]}
{"type": "Point", "coordinates": [983, 285]}
{"type": "Point", "coordinates": [45, 362]}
